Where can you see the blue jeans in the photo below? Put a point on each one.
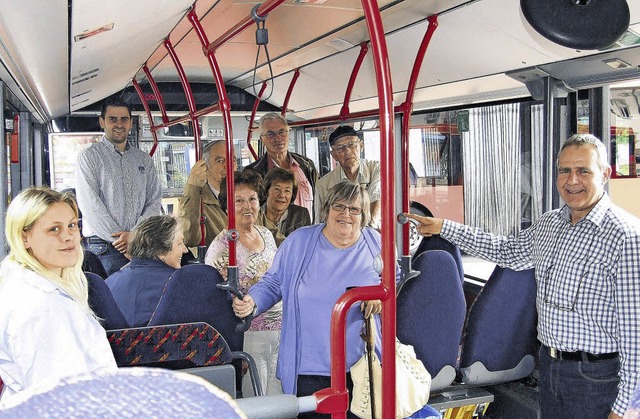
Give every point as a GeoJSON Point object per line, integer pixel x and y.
{"type": "Point", "coordinates": [111, 259]}
{"type": "Point", "coordinates": [577, 389]}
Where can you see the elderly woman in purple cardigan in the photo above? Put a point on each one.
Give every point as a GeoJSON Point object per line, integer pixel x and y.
{"type": "Point", "coordinates": [311, 270]}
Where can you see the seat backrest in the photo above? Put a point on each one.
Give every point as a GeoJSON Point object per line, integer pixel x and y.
{"type": "Point", "coordinates": [174, 346]}
{"type": "Point", "coordinates": [102, 303]}
{"type": "Point", "coordinates": [129, 392]}
{"type": "Point", "coordinates": [191, 295]}
{"type": "Point", "coordinates": [500, 334]}
{"type": "Point", "coordinates": [430, 315]}
{"type": "Point", "coordinates": [438, 243]}
{"type": "Point", "coordinates": [92, 263]}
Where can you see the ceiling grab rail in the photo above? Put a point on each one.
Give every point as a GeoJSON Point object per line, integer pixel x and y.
{"type": "Point", "coordinates": [344, 111]}
{"type": "Point", "coordinates": [156, 92]}
{"type": "Point", "coordinates": [262, 10]}
{"type": "Point", "coordinates": [253, 117]}
{"type": "Point", "coordinates": [294, 79]}
{"type": "Point", "coordinates": [335, 399]}
{"type": "Point", "coordinates": [191, 104]}
{"type": "Point", "coordinates": [145, 104]}
{"type": "Point", "coordinates": [407, 109]}
{"type": "Point", "coordinates": [225, 109]}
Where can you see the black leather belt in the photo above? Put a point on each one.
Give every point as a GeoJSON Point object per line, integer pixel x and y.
{"type": "Point", "coordinates": [579, 355]}
{"type": "Point", "coordinates": [95, 240]}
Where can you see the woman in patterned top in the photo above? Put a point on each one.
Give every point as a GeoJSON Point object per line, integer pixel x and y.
{"type": "Point", "coordinates": [255, 251]}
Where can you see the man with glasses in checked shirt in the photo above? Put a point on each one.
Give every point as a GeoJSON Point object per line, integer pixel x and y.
{"type": "Point", "coordinates": [586, 257]}
{"type": "Point", "coordinates": [346, 147]}
{"type": "Point", "coordinates": [274, 133]}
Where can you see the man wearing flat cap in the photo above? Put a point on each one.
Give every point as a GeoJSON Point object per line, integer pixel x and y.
{"type": "Point", "coordinates": [346, 148]}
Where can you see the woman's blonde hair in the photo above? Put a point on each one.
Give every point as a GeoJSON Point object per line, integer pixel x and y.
{"type": "Point", "coordinates": [22, 214]}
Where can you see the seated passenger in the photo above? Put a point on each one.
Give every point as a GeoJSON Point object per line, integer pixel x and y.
{"type": "Point", "coordinates": [311, 270]}
{"type": "Point", "coordinates": [156, 247]}
{"type": "Point", "coordinates": [278, 213]}
{"type": "Point", "coordinates": [48, 330]}
{"type": "Point", "coordinates": [255, 250]}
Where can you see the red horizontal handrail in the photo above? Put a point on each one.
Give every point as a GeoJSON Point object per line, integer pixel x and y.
{"type": "Point", "coordinates": [185, 118]}
{"type": "Point", "coordinates": [263, 10]}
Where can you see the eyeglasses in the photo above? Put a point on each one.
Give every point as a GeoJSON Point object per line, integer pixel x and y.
{"type": "Point", "coordinates": [342, 148]}
{"type": "Point", "coordinates": [272, 135]}
{"type": "Point", "coordinates": [342, 208]}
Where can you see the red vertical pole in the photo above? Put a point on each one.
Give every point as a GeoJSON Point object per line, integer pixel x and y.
{"type": "Point", "coordinates": [387, 170]}
{"type": "Point", "coordinates": [294, 79]}
{"type": "Point", "coordinates": [407, 108]}
{"type": "Point", "coordinates": [344, 111]}
{"type": "Point", "coordinates": [156, 92]}
{"type": "Point", "coordinates": [225, 109]}
{"type": "Point", "coordinates": [191, 103]}
{"type": "Point", "coordinates": [145, 103]}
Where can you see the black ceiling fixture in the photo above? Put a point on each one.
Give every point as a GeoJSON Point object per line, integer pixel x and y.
{"type": "Point", "coordinates": [578, 24]}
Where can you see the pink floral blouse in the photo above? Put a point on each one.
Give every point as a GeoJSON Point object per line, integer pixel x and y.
{"type": "Point", "coordinates": [251, 267]}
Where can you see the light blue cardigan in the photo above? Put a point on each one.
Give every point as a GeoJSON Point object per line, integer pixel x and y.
{"type": "Point", "coordinates": [281, 281]}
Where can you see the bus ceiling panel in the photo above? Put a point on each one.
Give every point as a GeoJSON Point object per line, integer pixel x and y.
{"type": "Point", "coordinates": [181, 34]}
{"type": "Point", "coordinates": [110, 41]}
{"type": "Point", "coordinates": [484, 38]}
{"type": "Point", "coordinates": [454, 55]}
{"type": "Point", "coordinates": [33, 51]}
{"type": "Point", "coordinates": [349, 34]}
{"type": "Point", "coordinates": [596, 70]}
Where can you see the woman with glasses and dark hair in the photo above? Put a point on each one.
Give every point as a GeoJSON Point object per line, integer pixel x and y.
{"type": "Point", "coordinates": [278, 213]}
{"type": "Point", "coordinates": [311, 270]}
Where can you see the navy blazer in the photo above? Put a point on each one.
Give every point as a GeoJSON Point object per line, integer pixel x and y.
{"type": "Point", "coordinates": [137, 288]}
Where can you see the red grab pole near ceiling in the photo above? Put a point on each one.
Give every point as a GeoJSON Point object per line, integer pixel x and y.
{"type": "Point", "coordinates": [407, 108]}
{"type": "Point", "coordinates": [225, 109]}
{"type": "Point", "coordinates": [145, 103]}
{"type": "Point", "coordinates": [263, 9]}
{"type": "Point", "coordinates": [387, 171]}
{"type": "Point", "coordinates": [294, 79]}
{"type": "Point", "coordinates": [344, 111]}
{"type": "Point", "coordinates": [335, 399]}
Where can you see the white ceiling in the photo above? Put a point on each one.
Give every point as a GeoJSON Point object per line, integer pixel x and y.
{"type": "Point", "coordinates": [475, 44]}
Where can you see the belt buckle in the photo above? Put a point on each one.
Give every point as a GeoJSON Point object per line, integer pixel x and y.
{"type": "Point", "coordinates": [553, 352]}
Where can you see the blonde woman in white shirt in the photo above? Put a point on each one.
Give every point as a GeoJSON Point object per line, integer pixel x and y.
{"type": "Point", "coordinates": [48, 330]}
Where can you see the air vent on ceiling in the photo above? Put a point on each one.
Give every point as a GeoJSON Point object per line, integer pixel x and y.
{"type": "Point", "coordinates": [87, 75]}
{"type": "Point", "coordinates": [340, 44]}
{"type": "Point", "coordinates": [616, 63]}
{"type": "Point", "coordinates": [92, 32]}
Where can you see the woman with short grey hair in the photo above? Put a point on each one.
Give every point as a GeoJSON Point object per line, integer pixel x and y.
{"type": "Point", "coordinates": [312, 269]}
{"type": "Point", "coordinates": [155, 248]}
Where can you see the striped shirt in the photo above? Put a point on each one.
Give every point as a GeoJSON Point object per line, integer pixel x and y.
{"type": "Point", "coordinates": [588, 280]}
{"type": "Point", "coordinates": [115, 190]}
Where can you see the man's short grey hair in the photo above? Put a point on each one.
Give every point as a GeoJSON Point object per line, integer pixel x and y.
{"type": "Point", "coordinates": [271, 116]}
{"type": "Point", "coordinates": [206, 151]}
{"type": "Point", "coordinates": [348, 193]}
{"type": "Point", "coordinates": [153, 237]}
{"type": "Point", "coordinates": [579, 140]}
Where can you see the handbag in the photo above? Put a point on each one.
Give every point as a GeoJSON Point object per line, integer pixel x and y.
{"type": "Point", "coordinates": [413, 381]}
